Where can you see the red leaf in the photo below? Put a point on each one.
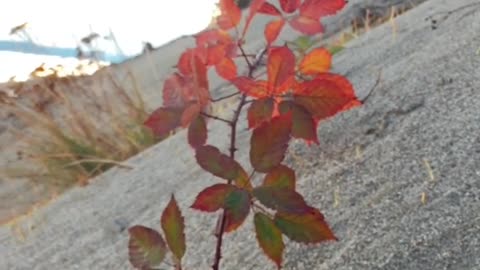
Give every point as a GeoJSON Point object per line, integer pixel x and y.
{"type": "Point", "coordinates": [316, 9]}
{"type": "Point", "coordinates": [230, 14]}
{"type": "Point", "coordinates": [260, 111]}
{"type": "Point", "coordinates": [308, 227]}
{"type": "Point", "coordinates": [164, 120]}
{"type": "Point", "coordinates": [280, 69]}
{"type": "Point", "coordinates": [269, 238]}
{"type": "Point", "coordinates": [269, 142]}
{"type": "Point", "coordinates": [272, 30]}
{"type": "Point", "coordinates": [289, 6]}
{"type": "Point", "coordinates": [146, 247]}
{"type": "Point", "coordinates": [257, 89]}
{"type": "Point", "coordinates": [237, 207]}
{"type": "Point", "coordinates": [227, 68]}
{"type": "Point", "coordinates": [173, 91]}
{"type": "Point", "coordinates": [280, 176]}
{"type": "Point", "coordinates": [269, 9]}
{"type": "Point", "coordinates": [283, 199]}
{"type": "Point", "coordinates": [212, 37]}
{"type": "Point", "coordinates": [215, 54]}
{"type": "Point", "coordinates": [303, 124]}
{"type": "Point", "coordinates": [317, 61]}
{"type": "Point", "coordinates": [197, 132]}
{"type": "Point", "coordinates": [306, 25]}
{"type": "Point", "coordinates": [173, 226]}
{"type": "Point", "coordinates": [200, 80]}
{"type": "Point", "coordinates": [184, 62]}
{"type": "Point", "coordinates": [189, 114]}
{"type": "Point", "coordinates": [218, 164]}
{"type": "Point", "coordinates": [326, 95]}
{"type": "Point", "coordinates": [212, 198]}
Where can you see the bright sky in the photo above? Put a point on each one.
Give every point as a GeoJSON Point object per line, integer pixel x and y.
{"type": "Point", "coordinates": [63, 22]}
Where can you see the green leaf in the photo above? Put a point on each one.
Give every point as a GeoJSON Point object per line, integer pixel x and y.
{"type": "Point", "coordinates": [269, 238]}
{"type": "Point", "coordinates": [269, 142]}
{"type": "Point", "coordinates": [212, 198]}
{"type": "Point", "coordinates": [218, 164]}
{"type": "Point", "coordinates": [303, 124]}
{"type": "Point", "coordinates": [197, 132]}
{"type": "Point", "coordinates": [146, 247]}
{"type": "Point", "coordinates": [237, 207]}
{"type": "Point", "coordinates": [260, 111]}
{"type": "Point", "coordinates": [173, 226]}
{"type": "Point", "coordinates": [235, 201]}
{"type": "Point", "coordinates": [280, 176]}
{"type": "Point", "coordinates": [282, 199]}
{"type": "Point", "coordinates": [303, 42]}
{"type": "Point", "coordinates": [307, 227]}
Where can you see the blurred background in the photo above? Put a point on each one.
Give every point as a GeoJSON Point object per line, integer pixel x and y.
{"type": "Point", "coordinates": [61, 32]}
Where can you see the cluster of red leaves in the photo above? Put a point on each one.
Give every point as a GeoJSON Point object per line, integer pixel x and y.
{"type": "Point", "coordinates": [289, 103]}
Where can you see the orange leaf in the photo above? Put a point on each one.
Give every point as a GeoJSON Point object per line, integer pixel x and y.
{"type": "Point", "coordinates": [212, 36]}
{"type": "Point", "coordinates": [197, 132]}
{"type": "Point", "coordinates": [272, 30]}
{"type": "Point", "coordinates": [215, 54]}
{"type": "Point", "coordinates": [164, 120]}
{"type": "Point", "coordinates": [146, 247]}
{"type": "Point", "coordinates": [226, 68]}
{"type": "Point", "coordinates": [326, 95]}
{"type": "Point", "coordinates": [269, 9]}
{"type": "Point", "coordinates": [306, 25]}
{"type": "Point", "coordinates": [173, 226]}
{"type": "Point", "coordinates": [269, 142]}
{"type": "Point", "coordinates": [230, 14]}
{"type": "Point", "coordinates": [280, 69]}
{"type": "Point", "coordinates": [280, 176]}
{"type": "Point", "coordinates": [269, 238]}
{"type": "Point", "coordinates": [260, 111]}
{"type": "Point", "coordinates": [257, 89]}
{"type": "Point", "coordinates": [289, 6]}
{"type": "Point", "coordinates": [307, 227]}
{"type": "Point", "coordinates": [316, 9]}
{"type": "Point", "coordinates": [212, 198]}
{"type": "Point", "coordinates": [317, 61]}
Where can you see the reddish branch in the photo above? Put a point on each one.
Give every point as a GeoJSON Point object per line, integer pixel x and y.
{"type": "Point", "coordinates": [233, 149]}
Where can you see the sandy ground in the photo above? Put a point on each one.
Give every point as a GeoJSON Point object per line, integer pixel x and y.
{"type": "Point", "coordinates": [398, 179]}
{"type": "Point", "coordinates": [144, 73]}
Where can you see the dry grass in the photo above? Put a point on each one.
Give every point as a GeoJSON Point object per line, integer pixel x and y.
{"type": "Point", "coordinates": [72, 132]}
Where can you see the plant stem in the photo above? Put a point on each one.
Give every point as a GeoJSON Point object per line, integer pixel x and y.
{"type": "Point", "coordinates": [225, 97]}
{"type": "Point", "coordinates": [233, 149]}
{"type": "Point", "coordinates": [216, 118]}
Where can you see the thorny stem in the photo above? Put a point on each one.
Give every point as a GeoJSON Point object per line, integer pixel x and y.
{"type": "Point", "coordinates": [233, 149]}
{"type": "Point", "coordinates": [216, 118]}
{"type": "Point", "coordinates": [224, 97]}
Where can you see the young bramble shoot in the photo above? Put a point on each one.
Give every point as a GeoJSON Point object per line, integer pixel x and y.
{"type": "Point", "coordinates": [298, 93]}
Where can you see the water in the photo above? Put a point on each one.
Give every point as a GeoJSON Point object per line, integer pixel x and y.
{"type": "Point", "coordinates": [55, 28]}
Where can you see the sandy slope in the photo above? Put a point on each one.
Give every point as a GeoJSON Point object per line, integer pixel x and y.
{"type": "Point", "coordinates": [417, 134]}
{"type": "Point", "coordinates": [145, 73]}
